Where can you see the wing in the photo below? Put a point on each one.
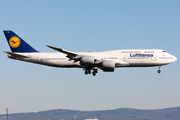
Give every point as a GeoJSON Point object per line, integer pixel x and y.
{"type": "Point", "coordinates": [85, 60]}
{"type": "Point", "coordinates": [71, 55]}
{"type": "Point", "coordinates": [63, 51]}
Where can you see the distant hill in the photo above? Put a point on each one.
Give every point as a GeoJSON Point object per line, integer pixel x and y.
{"type": "Point", "coordinates": [117, 114]}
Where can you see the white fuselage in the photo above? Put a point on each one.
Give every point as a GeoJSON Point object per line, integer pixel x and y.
{"type": "Point", "coordinates": [122, 58]}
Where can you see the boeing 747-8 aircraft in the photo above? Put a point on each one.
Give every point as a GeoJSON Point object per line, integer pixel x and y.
{"type": "Point", "coordinates": [89, 61]}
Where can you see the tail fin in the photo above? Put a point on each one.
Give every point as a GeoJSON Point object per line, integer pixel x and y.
{"type": "Point", "coordinates": [16, 43]}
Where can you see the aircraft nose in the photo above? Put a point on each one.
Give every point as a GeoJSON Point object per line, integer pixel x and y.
{"type": "Point", "coordinates": [174, 58]}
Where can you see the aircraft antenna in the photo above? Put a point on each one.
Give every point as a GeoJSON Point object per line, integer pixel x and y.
{"type": "Point", "coordinates": [7, 112]}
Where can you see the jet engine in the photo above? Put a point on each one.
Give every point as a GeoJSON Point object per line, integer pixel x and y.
{"type": "Point", "coordinates": [87, 60]}
{"type": "Point", "coordinates": [108, 66]}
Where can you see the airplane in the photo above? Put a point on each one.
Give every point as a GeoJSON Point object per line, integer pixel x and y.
{"type": "Point", "coordinates": [90, 62]}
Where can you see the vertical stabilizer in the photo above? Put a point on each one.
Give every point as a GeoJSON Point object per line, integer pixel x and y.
{"type": "Point", "coordinates": [16, 43]}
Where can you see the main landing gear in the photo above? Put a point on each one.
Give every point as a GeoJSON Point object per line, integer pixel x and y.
{"type": "Point", "coordinates": [88, 71]}
{"type": "Point", "coordinates": [159, 71]}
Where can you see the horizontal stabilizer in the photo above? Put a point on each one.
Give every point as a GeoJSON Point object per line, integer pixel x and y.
{"type": "Point", "coordinates": [16, 55]}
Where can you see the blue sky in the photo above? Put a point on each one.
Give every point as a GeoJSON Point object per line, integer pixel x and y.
{"type": "Point", "coordinates": [89, 26]}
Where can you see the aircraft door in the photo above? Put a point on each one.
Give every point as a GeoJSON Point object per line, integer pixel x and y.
{"type": "Point", "coordinates": [151, 58]}
{"type": "Point", "coordinates": [155, 58]}
{"type": "Point", "coordinates": [124, 58]}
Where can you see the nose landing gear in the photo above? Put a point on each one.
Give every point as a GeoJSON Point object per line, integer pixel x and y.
{"type": "Point", "coordinates": [159, 71]}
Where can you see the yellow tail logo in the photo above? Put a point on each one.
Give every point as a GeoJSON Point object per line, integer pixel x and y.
{"type": "Point", "coordinates": [14, 42]}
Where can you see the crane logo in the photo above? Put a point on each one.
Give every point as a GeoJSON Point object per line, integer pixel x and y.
{"type": "Point", "coordinates": [14, 42]}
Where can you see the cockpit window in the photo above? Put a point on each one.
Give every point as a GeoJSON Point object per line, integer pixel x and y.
{"type": "Point", "coordinates": [163, 51]}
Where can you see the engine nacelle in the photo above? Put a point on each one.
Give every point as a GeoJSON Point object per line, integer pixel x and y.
{"type": "Point", "coordinates": [108, 66]}
{"type": "Point", "coordinates": [87, 60]}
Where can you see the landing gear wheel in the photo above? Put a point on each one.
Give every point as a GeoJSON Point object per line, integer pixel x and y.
{"type": "Point", "coordinates": [94, 73]}
{"type": "Point", "coordinates": [89, 71]}
{"type": "Point", "coordinates": [159, 71]}
{"type": "Point", "coordinates": [86, 72]}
